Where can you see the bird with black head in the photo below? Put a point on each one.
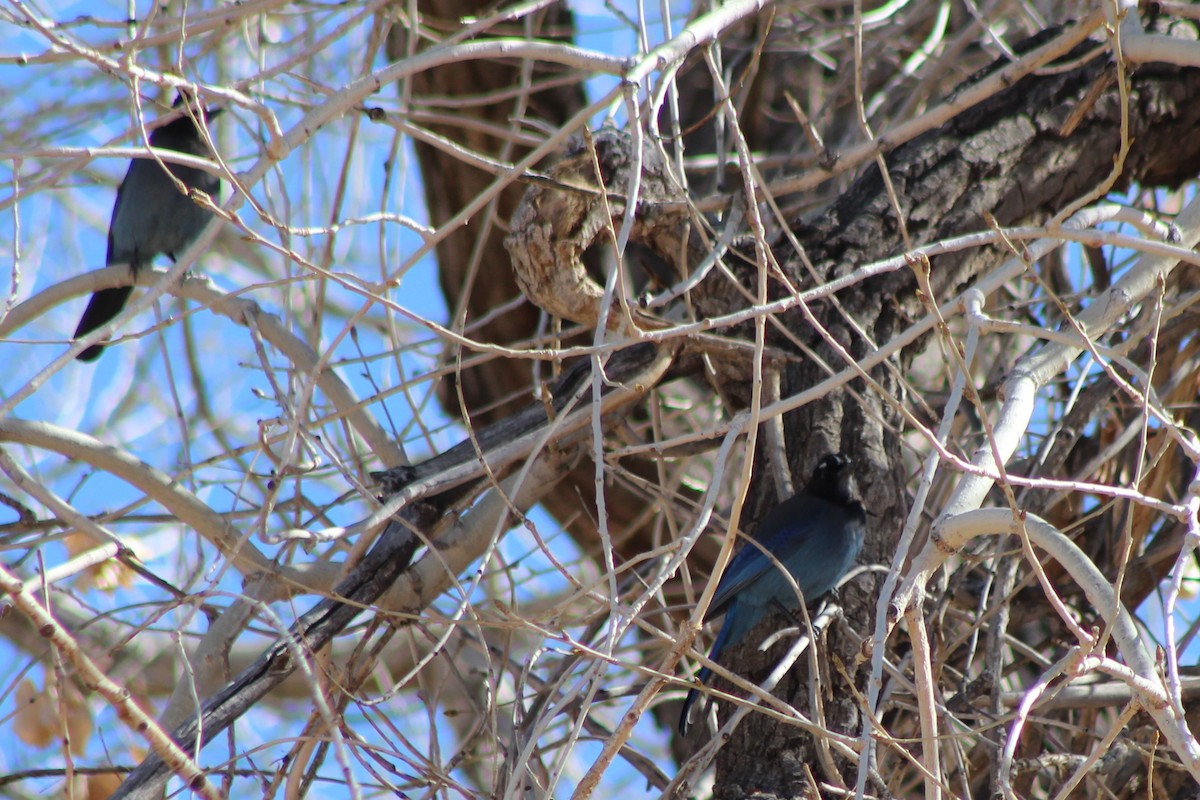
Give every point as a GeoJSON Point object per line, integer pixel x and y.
{"type": "Point", "coordinates": [153, 214]}
{"type": "Point", "coordinates": [816, 535]}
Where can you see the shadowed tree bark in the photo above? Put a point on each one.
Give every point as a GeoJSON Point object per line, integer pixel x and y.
{"type": "Point", "coordinates": [1019, 158]}
{"type": "Point", "coordinates": [494, 106]}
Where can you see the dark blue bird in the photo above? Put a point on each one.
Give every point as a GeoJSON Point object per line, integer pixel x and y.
{"type": "Point", "coordinates": [152, 216]}
{"type": "Point", "coordinates": [816, 534]}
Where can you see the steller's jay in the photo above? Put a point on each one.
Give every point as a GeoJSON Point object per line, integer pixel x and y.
{"type": "Point", "coordinates": [816, 534]}
{"type": "Point", "coordinates": [151, 215]}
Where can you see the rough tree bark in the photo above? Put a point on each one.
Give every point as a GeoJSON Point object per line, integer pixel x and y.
{"type": "Point", "coordinates": [1019, 158]}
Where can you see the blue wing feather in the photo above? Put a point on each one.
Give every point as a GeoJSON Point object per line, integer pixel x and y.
{"type": "Point", "coordinates": [815, 539]}
{"type": "Point", "coordinates": [799, 531]}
